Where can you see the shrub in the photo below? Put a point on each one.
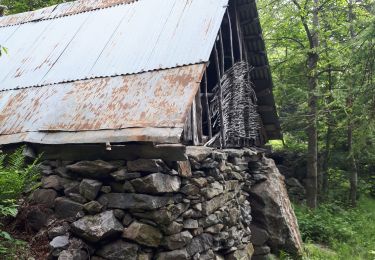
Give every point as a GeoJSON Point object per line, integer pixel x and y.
{"type": "Point", "coordinates": [15, 177]}
{"type": "Point", "coordinates": [335, 232]}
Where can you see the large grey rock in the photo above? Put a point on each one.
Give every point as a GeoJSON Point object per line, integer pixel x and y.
{"type": "Point", "coordinates": [190, 189]}
{"type": "Point", "coordinates": [60, 242]}
{"type": "Point", "coordinates": [199, 153]}
{"type": "Point", "coordinates": [93, 207]}
{"type": "Point", "coordinates": [134, 201]}
{"type": "Point", "coordinates": [213, 190]}
{"type": "Point", "coordinates": [76, 197]}
{"type": "Point", "coordinates": [71, 187]}
{"type": "Point", "coordinates": [119, 250]}
{"type": "Point", "coordinates": [52, 182]}
{"type": "Point", "coordinates": [184, 169]}
{"type": "Point", "coordinates": [199, 182]}
{"type": "Point", "coordinates": [98, 227]}
{"type": "Point", "coordinates": [217, 202]}
{"type": "Point", "coordinates": [181, 254]}
{"type": "Point", "coordinates": [145, 165]}
{"type": "Point", "coordinates": [143, 234]}
{"type": "Point", "coordinates": [272, 208]}
{"type": "Point", "coordinates": [36, 218]}
{"type": "Point", "coordinates": [157, 183]}
{"type": "Point", "coordinates": [45, 197]}
{"type": "Point", "coordinates": [200, 244]}
{"type": "Point", "coordinates": [92, 169]}
{"type": "Point", "coordinates": [172, 228]}
{"type": "Point", "coordinates": [259, 236]}
{"type": "Point", "coordinates": [262, 250]}
{"type": "Point", "coordinates": [165, 215]}
{"type": "Point", "coordinates": [177, 241]}
{"type": "Point", "coordinates": [73, 254]}
{"type": "Point", "coordinates": [90, 188]}
{"type": "Point", "coordinates": [66, 208]}
{"type": "Point", "coordinates": [58, 231]}
{"type": "Point", "coordinates": [244, 254]}
{"type": "Point", "coordinates": [191, 224]}
{"type": "Point", "coordinates": [124, 175]}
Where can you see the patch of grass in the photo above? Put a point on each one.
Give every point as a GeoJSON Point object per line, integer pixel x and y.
{"type": "Point", "coordinates": [333, 232]}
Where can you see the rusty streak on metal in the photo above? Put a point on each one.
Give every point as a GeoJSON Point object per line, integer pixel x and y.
{"type": "Point", "coordinates": [157, 99]}
{"type": "Point", "coordinates": [176, 33]}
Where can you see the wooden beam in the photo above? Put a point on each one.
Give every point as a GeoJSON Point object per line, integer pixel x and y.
{"type": "Point", "coordinates": [207, 105]}
{"type": "Point", "coordinates": [231, 37]}
{"type": "Point", "coordinates": [130, 151]}
{"type": "Point", "coordinates": [222, 63]}
{"type": "Point", "coordinates": [221, 114]}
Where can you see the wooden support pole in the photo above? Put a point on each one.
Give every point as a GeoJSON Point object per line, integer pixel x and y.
{"type": "Point", "coordinates": [222, 59]}
{"type": "Point", "coordinates": [207, 106]}
{"type": "Point", "coordinates": [230, 37]}
{"type": "Point", "coordinates": [222, 130]}
{"type": "Point", "coordinates": [238, 29]}
{"type": "Point", "coordinates": [194, 126]}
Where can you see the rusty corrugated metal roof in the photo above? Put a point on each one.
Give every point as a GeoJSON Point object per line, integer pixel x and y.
{"type": "Point", "coordinates": [125, 39]}
{"type": "Point", "coordinates": [150, 105]}
{"type": "Point", "coordinates": [96, 71]}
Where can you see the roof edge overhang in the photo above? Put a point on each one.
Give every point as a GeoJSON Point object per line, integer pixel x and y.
{"type": "Point", "coordinates": [149, 134]}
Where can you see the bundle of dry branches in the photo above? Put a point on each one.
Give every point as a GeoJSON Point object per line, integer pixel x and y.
{"type": "Point", "coordinates": [241, 119]}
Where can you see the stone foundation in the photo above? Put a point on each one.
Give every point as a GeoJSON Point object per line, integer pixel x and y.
{"type": "Point", "coordinates": [157, 209]}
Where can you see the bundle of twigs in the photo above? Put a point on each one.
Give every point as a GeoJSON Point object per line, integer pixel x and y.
{"type": "Point", "coordinates": [241, 119]}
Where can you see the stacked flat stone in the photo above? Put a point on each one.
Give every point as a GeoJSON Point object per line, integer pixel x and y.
{"type": "Point", "coordinates": [152, 209]}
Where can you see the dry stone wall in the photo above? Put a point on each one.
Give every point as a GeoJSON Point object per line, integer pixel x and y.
{"type": "Point", "coordinates": [154, 209]}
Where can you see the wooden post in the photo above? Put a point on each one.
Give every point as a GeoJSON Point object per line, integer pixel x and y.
{"type": "Point", "coordinates": [199, 122]}
{"type": "Point", "coordinates": [222, 130]}
{"type": "Point", "coordinates": [194, 132]}
{"type": "Point", "coordinates": [222, 59]}
{"type": "Point", "coordinates": [207, 105]}
{"type": "Point", "coordinates": [238, 29]}
{"type": "Point", "coordinates": [231, 37]}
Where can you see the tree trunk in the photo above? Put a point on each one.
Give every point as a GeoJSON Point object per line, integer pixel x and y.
{"type": "Point", "coordinates": [327, 152]}
{"type": "Point", "coordinates": [312, 64]}
{"type": "Point", "coordinates": [352, 161]}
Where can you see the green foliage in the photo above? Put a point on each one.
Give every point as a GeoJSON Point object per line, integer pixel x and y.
{"type": "Point", "coordinates": [15, 176]}
{"type": "Point", "coordinates": [19, 6]}
{"type": "Point", "coordinates": [345, 70]}
{"type": "Point", "coordinates": [9, 247]}
{"type": "Point", "coordinates": [349, 233]}
{"type": "Point", "coordinates": [3, 50]}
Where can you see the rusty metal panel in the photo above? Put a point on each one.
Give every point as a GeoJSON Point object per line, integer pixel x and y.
{"type": "Point", "coordinates": [150, 100]}
{"type": "Point", "coordinates": [60, 10]}
{"type": "Point", "coordinates": [126, 39]}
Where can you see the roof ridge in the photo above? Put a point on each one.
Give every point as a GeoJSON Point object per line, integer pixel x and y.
{"type": "Point", "coordinates": [60, 10]}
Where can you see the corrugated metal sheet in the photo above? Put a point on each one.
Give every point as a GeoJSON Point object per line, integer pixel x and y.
{"type": "Point", "coordinates": [148, 100]}
{"type": "Point", "coordinates": [60, 10]}
{"type": "Point", "coordinates": [125, 39]}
